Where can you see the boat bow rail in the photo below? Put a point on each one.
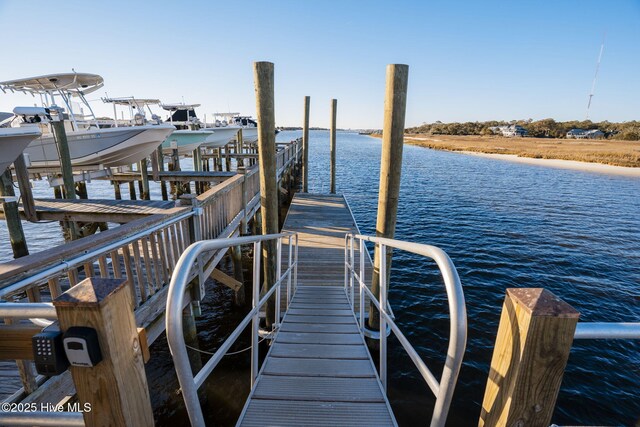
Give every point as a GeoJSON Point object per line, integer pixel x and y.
{"type": "Point", "coordinates": [189, 383]}
{"type": "Point", "coordinates": [443, 389]}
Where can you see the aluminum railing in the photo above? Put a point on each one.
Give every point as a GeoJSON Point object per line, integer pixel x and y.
{"type": "Point", "coordinates": [443, 389]}
{"type": "Point", "coordinates": [189, 383]}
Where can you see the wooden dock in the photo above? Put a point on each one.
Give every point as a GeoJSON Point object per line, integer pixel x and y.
{"type": "Point", "coordinates": [93, 210]}
{"type": "Point", "coordinates": [318, 371]}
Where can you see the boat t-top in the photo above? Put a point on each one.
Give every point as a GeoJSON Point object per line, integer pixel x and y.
{"type": "Point", "coordinates": [136, 111]}
{"type": "Point", "coordinates": [91, 144]}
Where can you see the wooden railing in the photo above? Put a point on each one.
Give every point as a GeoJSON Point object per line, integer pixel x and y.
{"type": "Point", "coordinates": [144, 251]}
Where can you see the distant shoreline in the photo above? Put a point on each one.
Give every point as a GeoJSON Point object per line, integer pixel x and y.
{"type": "Point", "coordinates": [561, 164]}
{"type": "Point", "coordinates": [609, 157]}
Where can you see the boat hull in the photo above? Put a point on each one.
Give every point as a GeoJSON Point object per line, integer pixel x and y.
{"type": "Point", "coordinates": [185, 141]}
{"type": "Point", "coordinates": [110, 147]}
{"type": "Point", "coordinates": [249, 134]}
{"type": "Point", "coordinates": [13, 141]}
{"type": "Point", "coordinates": [221, 136]}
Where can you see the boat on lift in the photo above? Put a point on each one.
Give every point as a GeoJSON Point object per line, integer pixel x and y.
{"type": "Point", "coordinates": [13, 141]}
{"type": "Point", "coordinates": [91, 143]}
{"type": "Point", "coordinates": [189, 133]}
{"type": "Point", "coordinates": [232, 122]}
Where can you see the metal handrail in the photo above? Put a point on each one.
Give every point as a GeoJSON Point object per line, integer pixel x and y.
{"type": "Point", "coordinates": [608, 330]}
{"type": "Point", "coordinates": [175, 302]}
{"type": "Point", "coordinates": [77, 261]}
{"type": "Point", "coordinates": [443, 389]}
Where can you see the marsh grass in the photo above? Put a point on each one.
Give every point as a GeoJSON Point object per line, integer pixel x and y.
{"type": "Point", "coordinates": [609, 152]}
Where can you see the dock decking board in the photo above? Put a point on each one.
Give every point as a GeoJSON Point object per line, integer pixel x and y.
{"type": "Point", "coordinates": [93, 210]}
{"type": "Point", "coordinates": [318, 371]}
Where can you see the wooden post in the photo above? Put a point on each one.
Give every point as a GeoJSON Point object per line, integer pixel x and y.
{"type": "Point", "coordinates": [305, 146]}
{"type": "Point", "coordinates": [395, 104]}
{"type": "Point", "coordinates": [144, 175]}
{"type": "Point", "coordinates": [22, 176]}
{"type": "Point", "coordinates": [132, 190]}
{"type": "Point", "coordinates": [240, 138]}
{"type": "Point", "coordinates": [116, 387]}
{"type": "Point", "coordinates": [238, 274]}
{"type": "Point", "coordinates": [244, 230]}
{"type": "Point", "coordinates": [12, 216]}
{"type": "Point", "coordinates": [263, 77]}
{"type": "Point", "coordinates": [163, 185]}
{"type": "Point", "coordinates": [334, 111]}
{"type": "Point", "coordinates": [154, 166]}
{"type": "Point", "coordinates": [116, 190]}
{"type": "Point", "coordinates": [532, 347]}
{"type": "Point", "coordinates": [65, 158]}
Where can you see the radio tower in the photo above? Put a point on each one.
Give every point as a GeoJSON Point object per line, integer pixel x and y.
{"type": "Point", "coordinates": [595, 77]}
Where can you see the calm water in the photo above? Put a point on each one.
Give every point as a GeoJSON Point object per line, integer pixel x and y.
{"type": "Point", "coordinates": [504, 225]}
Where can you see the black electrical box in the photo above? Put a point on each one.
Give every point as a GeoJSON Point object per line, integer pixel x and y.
{"type": "Point", "coordinates": [49, 356]}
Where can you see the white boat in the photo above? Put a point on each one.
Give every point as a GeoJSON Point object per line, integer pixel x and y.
{"type": "Point", "coordinates": [189, 134]}
{"type": "Point", "coordinates": [13, 141]}
{"type": "Point", "coordinates": [91, 142]}
{"type": "Point", "coordinates": [229, 123]}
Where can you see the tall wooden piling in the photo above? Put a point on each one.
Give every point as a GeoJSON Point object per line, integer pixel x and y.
{"type": "Point", "coordinates": [144, 179]}
{"type": "Point", "coordinates": [395, 104]}
{"type": "Point", "coordinates": [60, 136]}
{"type": "Point", "coordinates": [22, 176]}
{"type": "Point", "coordinates": [305, 146]}
{"type": "Point", "coordinates": [116, 387]}
{"type": "Point", "coordinates": [334, 111]}
{"type": "Point", "coordinates": [163, 185]}
{"type": "Point", "coordinates": [532, 347]}
{"type": "Point", "coordinates": [263, 77]}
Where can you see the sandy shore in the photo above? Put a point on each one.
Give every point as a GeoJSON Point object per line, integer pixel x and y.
{"type": "Point", "coordinates": [562, 164]}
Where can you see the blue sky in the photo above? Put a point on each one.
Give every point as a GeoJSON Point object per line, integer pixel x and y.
{"type": "Point", "coordinates": [468, 60]}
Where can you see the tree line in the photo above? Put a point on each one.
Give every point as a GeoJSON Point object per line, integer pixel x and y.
{"type": "Point", "coordinates": [545, 128]}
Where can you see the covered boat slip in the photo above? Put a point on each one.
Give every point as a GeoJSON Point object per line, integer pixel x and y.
{"type": "Point", "coordinates": [318, 371]}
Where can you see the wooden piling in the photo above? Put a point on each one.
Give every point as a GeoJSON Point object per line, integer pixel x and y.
{"type": "Point", "coordinates": [395, 104]}
{"type": "Point", "coordinates": [144, 179]}
{"type": "Point", "coordinates": [163, 185]}
{"type": "Point", "coordinates": [238, 274]}
{"type": "Point", "coordinates": [22, 177]}
{"type": "Point", "coordinates": [332, 133]}
{"type": "Point", "coordinates": [305, 145]}
{"type": "Point", "coordinates": [132, 190]}
{"type": "Point", "coordinates": [240, 138]}
{"type": "Point", "coordinates": [532, 347]}
{"type": "Point", "coordinates": [263, 77]}
{"type": "Point", "coordinates": [116, 387]}
{"type": "Point", "coordinates": [116, 190]}
{"type": "Point", "coordinates": [12, 216]}
{"type": "Point", "coordinates": [60, 136]}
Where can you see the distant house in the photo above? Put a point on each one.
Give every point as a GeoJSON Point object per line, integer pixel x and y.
{"type": "Point", "coordinates": [585, 134]}
{"type": "Point", "coordinates": [510, 130]}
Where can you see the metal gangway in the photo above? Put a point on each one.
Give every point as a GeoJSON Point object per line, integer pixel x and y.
{"type": "Point", "coordinates": [318, 370]}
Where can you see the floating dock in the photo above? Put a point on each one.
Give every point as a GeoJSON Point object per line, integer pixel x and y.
{"type": "Point", "coordinates": [318, 371]}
